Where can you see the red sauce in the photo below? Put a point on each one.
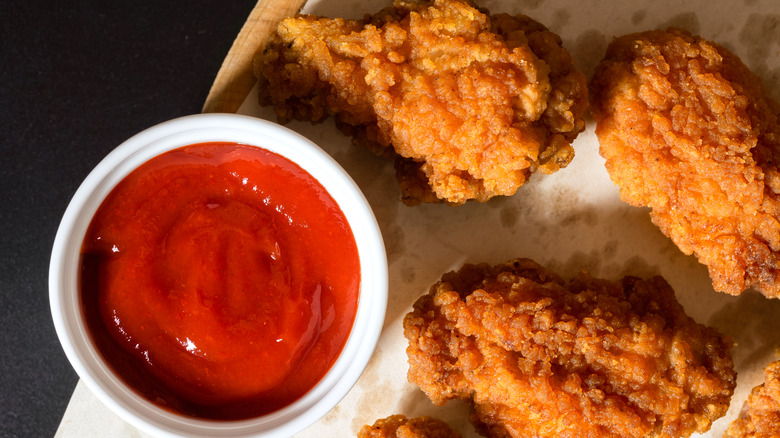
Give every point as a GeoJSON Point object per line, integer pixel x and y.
{"type": "Point", "coordinates": [220, 280]}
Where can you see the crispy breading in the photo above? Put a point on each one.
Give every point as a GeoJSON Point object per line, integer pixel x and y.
{"type": "Point", "coordinates": [469, 104]}
{"type": "Point", "coordinates": [687, 130]}
{"type": "Point", "coordinates": [540, 356]}
{"type": "Point", "coordinates": [760, 417]}
{"type": "Point", "coordinates": [399, 426]}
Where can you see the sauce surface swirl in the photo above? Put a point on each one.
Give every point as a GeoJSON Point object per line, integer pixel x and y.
{"type": "Point", "coordinates": [220, 280]}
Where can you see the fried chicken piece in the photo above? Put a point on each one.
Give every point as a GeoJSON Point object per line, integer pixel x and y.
{"type": "Point", "coordinates": [543, 357]}
{"type": "Point", "coordinates": [469, 104]}
{"type": "Point", "coordinates": [398, 426]}
{"type": "Point", "coordinates": [760, 417]}
{"type": "Point", "coordinates": [686, 130]}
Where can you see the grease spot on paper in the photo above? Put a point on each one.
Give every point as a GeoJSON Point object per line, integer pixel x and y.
{"type": "Point", "coordinates": [531, 4]}
{"type": "Point", "coordinates": [638, 17]}
{"type": "Point", "coordinates": [761, 37]}
{"type": "Point", "coordinates": [589, 49]}
{"type": "Point", "coordinates": [686, 20]}
{"type": "Point", "coordinates": [509, 216]}
{"type": "Point", "coordinates": [585, 216]}
{"type": "Point", "coordinates": [560, 19]}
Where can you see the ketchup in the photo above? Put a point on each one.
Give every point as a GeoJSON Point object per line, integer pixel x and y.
{"type": "Point", "coordinates": [220, 280]}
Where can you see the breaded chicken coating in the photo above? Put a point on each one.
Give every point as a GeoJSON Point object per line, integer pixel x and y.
{"type": "Point", "coordinates": [686, 130]}
{"type": "Point", "coordinates": [540, 356]}
{"type": "Point", "coordinates": [469, 104]}
{"type": "Point", "coordinates": [398, 426]}
{"type": "Point", "coordinates": [760, 417]}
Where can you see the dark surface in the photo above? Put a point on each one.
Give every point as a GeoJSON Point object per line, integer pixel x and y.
{"type": "Point", "coordinates": [77, 79]}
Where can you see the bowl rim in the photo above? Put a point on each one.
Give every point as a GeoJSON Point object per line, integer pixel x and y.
{"type": "Point", "coordinates": [183, 131]}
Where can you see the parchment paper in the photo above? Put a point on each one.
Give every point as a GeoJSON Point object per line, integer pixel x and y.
{"type": "Point", "coordinates": [569, 221]}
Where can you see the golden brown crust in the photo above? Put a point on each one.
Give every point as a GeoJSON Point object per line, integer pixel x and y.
{"type": "Point", "coordinates": [760, 417]}
{"type": "Point", "coordinates": [476, 103]}
{"type": "Point", "coordinates": [541, 356]}
{"type": "Point", "coordinates": [685, 129]}
{"type": "Point", "coordinates": [398, 426]}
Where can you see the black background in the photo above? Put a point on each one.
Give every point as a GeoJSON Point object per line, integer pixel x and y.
{"type": "Point", "coordinates": [76, 79]}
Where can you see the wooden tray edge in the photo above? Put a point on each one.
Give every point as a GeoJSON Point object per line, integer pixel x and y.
{"type": "Point", "coordinates": [235, 77]}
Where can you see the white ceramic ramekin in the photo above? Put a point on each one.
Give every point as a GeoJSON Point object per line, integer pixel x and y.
{"type": "Point", "coordinates": [65, 298]}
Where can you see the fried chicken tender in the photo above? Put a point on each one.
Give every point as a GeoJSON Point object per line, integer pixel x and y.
{"type": "Point", "coordinates": [543, 357]}
{"type": "Point", "coordinates": [398, 426]}
{"type": "Point", "coordinates": [686, 130]}
{"type": "Point", "coordinates": [760, 417]}
{"type": "Point", "coordinates": [469, 104]}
